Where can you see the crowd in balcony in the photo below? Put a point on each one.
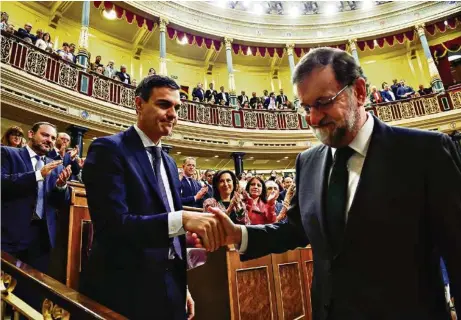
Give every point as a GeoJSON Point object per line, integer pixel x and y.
{"type": "Point", "coordinates": [397, 91]}
{"type": "Point", "coordinates": [268, 101]}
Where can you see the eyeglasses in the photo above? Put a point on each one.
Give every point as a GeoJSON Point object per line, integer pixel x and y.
{"type": "Point", "coordinates": [305, 110]}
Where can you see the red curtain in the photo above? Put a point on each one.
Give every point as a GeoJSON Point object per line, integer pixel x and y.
{"type": "Point", "coordinates": [444, 70]}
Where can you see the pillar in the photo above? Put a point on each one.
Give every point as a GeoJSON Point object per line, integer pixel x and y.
{"type": "Point", "coordinates": [82, 55]}
{"type": "Point", "coordinates": [166, 147]}
{"type": "Point", "coordinates": [76, 136]}
{"type": "Point", "coordinates": [238, 162]}
{"type": "Point", "coordinates": [354, 53]}
{"type": "Point", "coordinates": [291, 58]}
{"type": "Point", "coordinates": [436, 81]}
{"type": "Point", "coordinates": [162, 28]}
{"type": "Point", "coordinates": [230, 70]}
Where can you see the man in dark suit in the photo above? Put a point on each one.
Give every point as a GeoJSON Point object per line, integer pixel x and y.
{"type": "Point", "coordinates": [198, 93]}
{"type": "Point", "coordinates": [254, 101]}
{"type": "Point", "coordinates": [287, 182]}
{"type": "Point", "coordinates": [192, 192]}
{"type": "Point", "coordinates": [123, 76]}
{"type": "Point", "coordinates": [282, 100]}
{"type": "Point", "coordinates": [209, 174]}
{"type": "Point", "coordinates": [242, 98]}
{"type": "Point", "coordinates": [211, 94]}
{"type": "Point", "coordinates": [59, 152]}
{"type": "Point", "coordinates": [133, 196]}
{"type": "Point", "coordinates": [223, 96]}
{"type": "Point", "coordinates": [414, 211]}
{"type": "Point", "coordinates": [33, 188]}
{"type": "Point", "coordinates": [25, 33]}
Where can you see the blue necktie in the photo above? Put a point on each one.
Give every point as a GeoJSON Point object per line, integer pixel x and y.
{"type": "Point", "coordinates": [156, 153]}
{"type": "Point", "coordinates": [40, 190]}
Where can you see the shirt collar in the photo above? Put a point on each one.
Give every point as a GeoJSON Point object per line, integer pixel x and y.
{"type": "Point", "coordinates": [32, 153]}
{"type": "Point", "coordinates": [146, 141]}
{"type": "Point", "coordinates": [362, 140]}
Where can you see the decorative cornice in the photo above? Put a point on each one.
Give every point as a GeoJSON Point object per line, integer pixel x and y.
{"type": "Point", "coordinates": [163, 22]}
{"type": "Point", "coordinates": [290, 47]}
{"type": "Point", "coordinates": [309, 29]}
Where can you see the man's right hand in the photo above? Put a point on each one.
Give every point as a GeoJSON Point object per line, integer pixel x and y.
{"type": "Point", "coordinates": [201, 193]}
{"type": "Point", "coordinates": [46, 170]}
{"type": "Point", "coordinates": [232, 231]}
{"type": "Point", "coordinates": [207, 226]}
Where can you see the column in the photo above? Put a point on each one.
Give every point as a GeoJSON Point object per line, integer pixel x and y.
{"type": "Point", "coordinates": [166, 147]}
{"type": "Point", "coordinates": [162, 28]}
{"type": "Point", "coordinates": [238, 162]}
{"type": "Point", "coordinates": [436, 81]}
{"type": "Point", "coordinates": [291, 58]}
{"type": "Point", "coordinates": [82, 55]}
{"type": "Point", "coordinates": [76, 136]}
{"type": "Point", "coordinates": [354, 53]}
{"type": "Point", "coordinates": [230, 70]}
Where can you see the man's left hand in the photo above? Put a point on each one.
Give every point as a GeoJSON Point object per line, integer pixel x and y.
{"type": "Point", "coordinates": [64, 176]}
{"type": "Point", "coordinates": [73, 153]}
{"type": "Point", "coordinates": [190, 306]}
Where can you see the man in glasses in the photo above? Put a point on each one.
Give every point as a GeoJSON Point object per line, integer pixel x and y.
{"type": "Point", "coordinates": [378, 204]}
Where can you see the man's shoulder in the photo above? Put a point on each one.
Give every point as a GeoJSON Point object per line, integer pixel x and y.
{"type": "Point", "coordinates": [12, 151]}
{"type": "Point", "coordinates": [306, 154]}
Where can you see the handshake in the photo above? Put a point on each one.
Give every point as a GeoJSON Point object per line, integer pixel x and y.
{"type": "Point", "coordinates": [214, 229]}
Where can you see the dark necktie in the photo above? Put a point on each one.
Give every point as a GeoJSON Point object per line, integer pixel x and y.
{"type": "Point", "coordinates": [337, 198]}
{"type": "Point", "coordinates": [156, 153]}
{"type": "Point", "coordinates": [39, 206]}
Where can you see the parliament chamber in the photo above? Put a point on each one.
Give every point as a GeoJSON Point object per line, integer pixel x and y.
{"type": "Point", "coordinates": [79, 67]}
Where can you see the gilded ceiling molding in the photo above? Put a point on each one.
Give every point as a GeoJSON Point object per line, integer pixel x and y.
{"type": "Point", "coordinates": [309, 29]}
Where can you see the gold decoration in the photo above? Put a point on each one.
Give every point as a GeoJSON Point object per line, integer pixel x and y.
{"type": "Point", "coordinates": [250, 119]}
{"type": "Point", "coordinates": [8, 283]}
{"type": "Point", "coordinates": [290, 47]}
{"type": "Point", "coordinates": [5, 49]}
{"type": "Point", "coordinates": [353, 44]}
{"type": "Point", "coordinates": [456, 99]}
{"type": "Point", "coordinates": [384, 113]}
{"type": "Point", "coordinates": [228, 43]}
{"type": "Point", "coordinates": [51, 311]}
{"type": "Point", "coordinates": [36, 63]}
{"type": "Point", "coordinates": [163, 23]}
{"type": "Point", "coordinates": [68, 76]}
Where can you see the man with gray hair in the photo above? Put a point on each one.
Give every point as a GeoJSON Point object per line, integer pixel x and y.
{"type": "Point", "coordinates": [123, 75]}
{"type": "Point", "coordinates": [356, 201]}
{"type": "Point", "coordinates": [192, 192]}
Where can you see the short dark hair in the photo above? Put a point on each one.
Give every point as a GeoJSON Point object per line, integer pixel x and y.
{"type": "Point", "coordinates": [65, 44]}
{"type": "Point", "coordinates": [216, 178]}
{"type": "Point", "coordinates": [344, 66]}
{"type": "Point", "coordinates": [37, 126]}
{"type": "Point", "coordinates": [208, 171]}
{"type": "Point", "coordinates": [144, 88]}
{"type": "Point", "coordinates": [263, 192]}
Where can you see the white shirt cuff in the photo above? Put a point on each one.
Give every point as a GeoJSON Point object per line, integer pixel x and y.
{"type": "Point", "coordinates": [38, 176]}
{"type": "Point", "coordinates": [175, 227]}
{"type": "Point", "coordinates": [244, 244]}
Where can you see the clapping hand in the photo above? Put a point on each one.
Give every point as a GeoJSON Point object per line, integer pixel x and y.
{"type": "Point", "coordinates": [64, 176]}
{"type": "Point", "coordinates": [74, 152]}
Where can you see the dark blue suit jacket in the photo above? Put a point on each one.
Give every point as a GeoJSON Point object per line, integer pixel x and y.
{"type": "Point", "coordinates": [200, 94]}
{"type": "Point", "coordinates": [386, 95]}
{"type": "Point", "coordinates": [189, 191]}
{"type": "Point", "coordinates": [130, 229]}
{"type": "Point", "coordinates": [75, 167]}
{"type": "Point", "coordinates": [407, 205]}
{"type": "Point", "coordinates": [19, 195]}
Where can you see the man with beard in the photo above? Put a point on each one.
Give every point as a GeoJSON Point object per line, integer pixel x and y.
{"type": "Point", "coordinates": [369, 191]}
{"type": "Point", "coordinates": [60, 152]}
{"type": "Point", "coordinates": [33, 187]}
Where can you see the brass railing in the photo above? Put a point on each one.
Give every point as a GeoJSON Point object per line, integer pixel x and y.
{"type": "Point", "coordinates": [58, 301]}
{"type": "Point", "coordinates": [52, 68]}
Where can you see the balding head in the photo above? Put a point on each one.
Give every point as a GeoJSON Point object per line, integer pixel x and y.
{"type": "Point", "coordinates": [62, 140]}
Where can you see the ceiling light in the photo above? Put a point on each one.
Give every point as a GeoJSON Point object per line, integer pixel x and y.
{"type": "Point", "coordinates": [179, 152]}
{"type": "Point", "coordinates": [258, 9]}
{"type": "Point", "coordinates": [207, 160]}
{"type": "Point", "coordinates": [445, 22]}
{"type": "Point", "coordinates": [331, 9]}
{"type": "Point", "coordinates": [367, 5]}
{"type": "Point", "coordinates": [216, 156]}
{"type": "Point", "coordinates": [110, 15]}
{"type": "Point", "coordinates": [375, 42]}
{"type": "Point", "coordinates": [278, 160]}
{"type": "Point", "coordinates": [294, 11]}
{"type": "Point", "coordinates": [285, 158]}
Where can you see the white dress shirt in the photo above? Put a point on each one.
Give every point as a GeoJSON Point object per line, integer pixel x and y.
{"type": "Point", "coordinates": [175, 227]}
{"type": "Point", "coordinates": [32, 154]}
{"type": "Point", "coordinates": [354, 167]}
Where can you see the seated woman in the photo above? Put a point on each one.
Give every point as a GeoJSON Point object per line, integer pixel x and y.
{"type": "Point", "coordinates": [227, 198]}
{"type": "Point", "coordinates": [260, 210]}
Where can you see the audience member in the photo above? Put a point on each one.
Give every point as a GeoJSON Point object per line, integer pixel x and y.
{"type": "Point", "coordinates": [151, 72]}
{"type": "Point", "coordinates": [72, 52]}
{"type": "Point", "coordinates": [254, 100]}
{"type": "Point", "coordinates": [387, 94]}
{"type": "Point", "coordinates": [404, 92]}
{"type": "Point", "coordinates": [63, 152]}
{"type": "Point", "coordinates": [13, 137]}
{"type": "Point", "coordinates": [10, 29]}
{"type": "Point", "coordinates": [25, 33]}
{"type": "Point", "coordinates": [271, 103]}
{"type": "Point", "coordinates": [100, 70]}
{"type": "Point", "coordinates": [64, 53]}
{"type": "Point", "coordinates": [123, 75]}
{"type": "Point", "coordinates": [282, 100]}
{"type": "Point", "coordinates": [242, 98]}
{"type": "Point", "coordinates": [287, 182]}
{"type": "Point", "coordinates": [198, 93]}
{"type": "Point", "coordinates": [261, 210]}
{"type": "Point", "coordinates": [97, 63]}
{"type": "Point", "coordinates": [134, 82]}
{"type": "Point", "coordinates": [4, 21]}
{"type": "Point", "coordinates": [192, 192]}
{"type": "Point", "coordinates": [424, 91]}
{"type": "Point", "coordinates": [242, 180]}
{"type": "Point", "coordinates": [109, 70]}
{"type": "Point", "coordinates": [208, 182]}
{"type": "Point", "coordinates": [264, 96]}
{"type": "Point", "coordinates": [375, 96]}
{"type": "Point", "coordinates": [223, 97]}
{"type": "Point", "coordinates": [38, 35]}
{"type": "Point", "coordinates": [211, 94]}
{"type": "Point", "coordinates": [44, 42]}
{"type": "Point", "coordinates": [394, 87]}
{"type": "Point", "coordinates": [272, 187]}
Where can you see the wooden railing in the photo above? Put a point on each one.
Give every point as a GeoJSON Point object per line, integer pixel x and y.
{"type": "Point", "coordinates": [58, 301]}
{"type": "Point", "coordinates": [52, 68]}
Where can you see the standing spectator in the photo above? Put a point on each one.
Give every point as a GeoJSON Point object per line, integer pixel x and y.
{"type": "Point", "coordinates": [38, 35]}
{"type": "Point", "coordinates": [261, 209]}
{"type": "Point", "coordinates": [72, 52]}
{"type": "Point", "coordinates": [211, 93]}
{"type": "Point", "coordinates": [387, 94]}
{"type": "Point", "coordinates": [10, 29]}
{"type": "Point", "coordinates": [242, 180]}
{"type": "Point", "coordinates": [25, 33]}
{"type": "Point", "coordinates": [4, 21]}
{"type": "Point", "coordinates": [223, 97]}
{"type": "Point", "coordinates": [404, 92]}
{"type": "Point", "coordinates": [124, 77]}
{"type": "Point", "coordinates": [13, 137]}
{"type": "Point", "coordinates": [100, 70]}
{"type": "Point", "coordinates": [151, 72]}
{"type": "Point", "coordinates": [44, 42]}
{"type": "Point", "coordinates": [375, 95]}
{"type": "Point", "coordinates": [192, 192]}
{"type": "Point", "coordinates": [271, 187]}
{"type": "Point", "coordinates": [109, 71]}
{"type": "Point", "coordinates": [271, 102]}
{"type": "Point", "coordinates": [254, 100]}
{"type": "Point", "coordinates": [64, 53]}
{"type": "Point", "coordinates": [242, 98]}
{"type": "Point", "coordinates": [198, 93]}
{"type": "Point", "coordinates": [97, 63]}
{"type": "Point", "coordinates": [394, 87]}
{"type": "Point", "coordinates": [423, 91]}
{"type": "Point", "coordinates": [209, 174]}
{"type": "Point", "coordinates": [282, 100]}
{"type": "Point", "coordinates": [264, 96]}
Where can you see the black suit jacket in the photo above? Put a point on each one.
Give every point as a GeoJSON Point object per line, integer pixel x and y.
{"type": "Point", "coordinates": [240, 99]}
{"type": "Point", "coordinates": [220, 98]}
{"type": "Point", "coordinates": [124, 77]}
{"type": "Point", "coordinates": [75, 167]}
{"type": "Point", "coordinates": [406, 213]}
{"type": "Point", "coordinates": [210, 93]}
{"type": "Point", "coordinates": [188, 191]}
{"type": "Point", "coordinates": [254, 102]}
{"type": "Point", "coordinates": [278, 100]}
{"type": "Point", "coordinates": [198, 93]}
{"type": "Point", "coordinates": [23, 33]}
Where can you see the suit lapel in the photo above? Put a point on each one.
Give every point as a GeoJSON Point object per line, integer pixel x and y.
{"type": "Point", "coordinates": [135, 146]}
{"type": "Point", "coordinates": [323, 170]}
{"type": "Point", "coordinates": [26, 158]}
{"type": "Point", "coordinates": [170, 168]}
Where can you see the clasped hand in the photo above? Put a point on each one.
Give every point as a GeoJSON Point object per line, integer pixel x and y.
{"type": "Point", "coordinates": [214, 228]}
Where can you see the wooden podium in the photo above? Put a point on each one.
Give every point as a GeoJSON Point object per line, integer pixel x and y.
{"type": "Point", "coordinates": [275, 286]}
